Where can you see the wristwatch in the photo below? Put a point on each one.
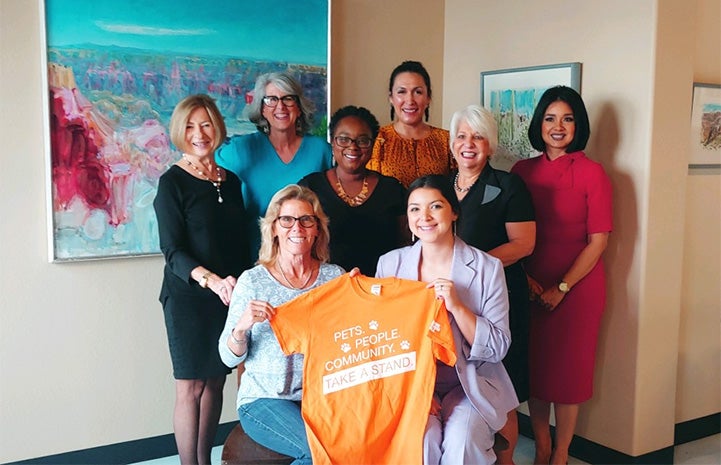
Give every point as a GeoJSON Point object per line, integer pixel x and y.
{"type": "Point", "coordinates": [563, 287]}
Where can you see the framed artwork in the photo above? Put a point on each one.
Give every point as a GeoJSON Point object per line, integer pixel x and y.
{"type": "Point", "coordinates": [511, 95]}
{"type": "Point", "coordinates": [116, 70]}
{"type": "Point", "coordinates": [705, 126]}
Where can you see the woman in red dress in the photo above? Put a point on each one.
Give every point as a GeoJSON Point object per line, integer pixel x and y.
{"type": "Point", "coordinates": [572, 198]}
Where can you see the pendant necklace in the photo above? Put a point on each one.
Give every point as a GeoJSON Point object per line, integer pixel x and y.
{"type": "Point", "coordinates": [288, 281]}
{"type": "Point", "coordinates": [462, 189]}
{"type": "Point", "coordinates": [352, 201]}
{"type": "Point", "coordinates": [206, 177]}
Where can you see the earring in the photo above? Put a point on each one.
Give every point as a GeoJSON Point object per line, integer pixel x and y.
{"type": "Point", "coordinates": [413, 238]}
{"type": "Point", "coordinates": [454, 228]}
{"type": "Point", "coordinates": [427, 114]}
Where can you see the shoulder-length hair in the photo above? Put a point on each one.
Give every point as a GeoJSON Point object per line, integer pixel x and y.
{"type": "Point", "coordinates": [287, 84]}
{"type": "Point", "coordinates": [442, 184]}
{"type": "Point", "coordinates": [269, 246]}
{"type": "Point", "coordinates": [574, 100]}
{"type": "Point", "coordinates": [480, 120]}
{"type": "Point", "coordinates": [181, 115]}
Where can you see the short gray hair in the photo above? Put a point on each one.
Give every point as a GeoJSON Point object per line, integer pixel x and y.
{"type": "Point", "coordinates": [480, 120]}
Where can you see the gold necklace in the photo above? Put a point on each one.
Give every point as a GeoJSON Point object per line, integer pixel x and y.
{"type": "Point", "coordinates": [206, 177]}
{"type": "Point", "coordinates": [361, 197]}
{"type": "Point", "coordinates": [280, 268]}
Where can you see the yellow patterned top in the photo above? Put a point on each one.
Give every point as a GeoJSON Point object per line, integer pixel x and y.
{"type": "Point", "coordinates": [408, 159]}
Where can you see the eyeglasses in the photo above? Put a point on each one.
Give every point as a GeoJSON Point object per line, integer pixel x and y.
{"type": "Point", "coordinates": [288, 100]}
{"type": "Point", "coordinates": [307, 221]}
{"type": "Point", "coordinates": [362, 142]}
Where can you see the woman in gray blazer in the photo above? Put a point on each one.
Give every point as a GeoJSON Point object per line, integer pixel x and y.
{"type": "Point", "coordinates": [473, 398]}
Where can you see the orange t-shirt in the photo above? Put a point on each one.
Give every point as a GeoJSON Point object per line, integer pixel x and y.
{"type": "Point", "coordinates": [370, 347]}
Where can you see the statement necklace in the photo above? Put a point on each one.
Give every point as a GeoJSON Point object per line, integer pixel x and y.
{"type": "Point", "coordinates": [352, 201]}
{"type": "Point", "coordinates": [288, 281]}
{"type": "Point", "coordinates": [206, 177]}
{"type": "Point", "coordinates": [462, 189]}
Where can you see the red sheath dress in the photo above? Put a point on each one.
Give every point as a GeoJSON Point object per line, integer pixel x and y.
{"type": "Point", "coordinates": [572, 198]}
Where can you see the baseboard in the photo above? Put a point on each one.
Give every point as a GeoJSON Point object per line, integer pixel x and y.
{"type": "Point", "coordinates": [124, 452]}
{"type": "Point", "coordinates": [588, 451]}
{"type": "Point", "coordinates": [597, 454]}
{"type": "Point", "coordinates": [698, 428]}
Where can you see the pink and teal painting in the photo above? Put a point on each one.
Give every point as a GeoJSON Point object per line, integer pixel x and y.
{"type": "Point", "coordinates": [117, 69]}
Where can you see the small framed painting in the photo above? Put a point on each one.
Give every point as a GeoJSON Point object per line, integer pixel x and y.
{"type": "Point", "coordinates": [705, 126]}
{"type": "Point", "coordinates": [512, 95]}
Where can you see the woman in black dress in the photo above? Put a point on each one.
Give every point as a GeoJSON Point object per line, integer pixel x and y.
{"type": "Point", "coordinates": [366, 209]}
{"type": "Point", "coordinates": [200, 223]}
{"type": "Point", "coordinates": [497, 217]}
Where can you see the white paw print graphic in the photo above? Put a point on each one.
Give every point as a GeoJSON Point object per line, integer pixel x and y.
{"type": "Point", "coordinates": [345, 347]}
{"type": "Point", "coordinates": [405, 345]}
{"type": "Point", "coordinates": [435, 327]}
{"type": "Point", "coordinates": [373, 325]}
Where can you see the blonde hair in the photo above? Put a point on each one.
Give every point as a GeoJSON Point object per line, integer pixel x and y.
{"type": "Point", "coordinates": [269, 245]}
{"type": "Point", "coordinates": [480, 120]}
{"type": "Point", "coordinates": [181, 115]}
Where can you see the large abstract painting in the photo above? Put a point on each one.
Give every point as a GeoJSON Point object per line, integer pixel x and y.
{"type": "Point", "coordinates": [512, 95]}
{"type": "Point", "coordinates": [115, 71]}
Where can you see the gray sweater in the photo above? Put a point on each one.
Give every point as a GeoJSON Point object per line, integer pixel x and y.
{"type": "Point", "coordinates": [269, 373]}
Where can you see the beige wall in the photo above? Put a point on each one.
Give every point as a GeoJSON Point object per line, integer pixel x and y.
{"type": "Point", "coordinates": [617, 91]}
{"type": "Point", "coordinates": [636, 81]}
{"type": "Point", "coordinates": [660, 285]}
{"type": "Point", "coordinates": [370, 38]}
{"type": "Point", "coordinates": [83, 357]}
{"type": "Point", "coordinates": [83, 360]}
{"type": "Point", "coordinates": [699, 370]}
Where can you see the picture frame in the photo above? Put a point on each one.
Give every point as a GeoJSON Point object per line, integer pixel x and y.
{"type": "Point", "coordinates": [512, 94]}
{"type": "Point", "coordinates": [116, 70]}
{"type": "Point", "coordinates": [705, 126]}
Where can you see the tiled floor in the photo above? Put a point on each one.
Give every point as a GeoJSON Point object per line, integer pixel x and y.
{"type": "Point", "coordinates": [523, 455]}
{"type": "Point", "coordinates": [705, 451]}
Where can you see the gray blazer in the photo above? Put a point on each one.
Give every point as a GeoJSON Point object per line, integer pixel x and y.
{"type": "Point", "coordinates": [480, 283]}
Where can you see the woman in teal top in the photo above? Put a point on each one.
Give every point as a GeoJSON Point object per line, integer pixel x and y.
{"type": "Point", "coordinates": [280, 153]}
